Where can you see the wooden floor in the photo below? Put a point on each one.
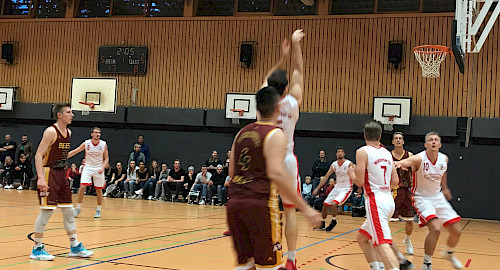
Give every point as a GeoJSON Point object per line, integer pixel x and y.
{"type": "Point", "coordinates": [136, 234]}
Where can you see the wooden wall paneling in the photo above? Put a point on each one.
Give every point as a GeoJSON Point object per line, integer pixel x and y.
{"type": "Point", "coordinates": [371, 65]}
{"type": "Point", "coordinates": [488, 99]}
{"type": "Point", "coordinates": [495, 81]}
{"type": "Point", "coordinates": [345, 64]}
{"type": "Point", "coordinates": [354, 71]}
{"type": "Point", "coordinates": [323, 64]}
{"type": "Point", "coordinates": [361, 67]}
{"type": "Point", "coordinates": [337, 60]}
{"type": "Point", "coordinates": [440, 88]}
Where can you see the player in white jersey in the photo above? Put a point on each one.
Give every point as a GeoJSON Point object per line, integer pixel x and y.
{"type": "Point", "coordinates": [375, 171]}
{"type": "Point", "coordinates": [340, 193]}
{"type": "Point", "coordinates": [96, 158]}
{"type": "Point", "coordinates": [430, 199]}
{"type": "Point", "coordinates": [291, 99]}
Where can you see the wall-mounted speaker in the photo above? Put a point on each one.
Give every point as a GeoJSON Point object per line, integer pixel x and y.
{"type": "Point", "coordinates": [8, 52]}
{"type": "Point", "coordinates": [246, 53]}
{"type": "Point", "coordinates": [395, 54]}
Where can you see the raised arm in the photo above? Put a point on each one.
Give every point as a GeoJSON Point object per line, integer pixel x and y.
{"type": "Point", "coordinates": [297, 81]}
{"type": "Point", "coordinates": [357, 172]}
{"type": "Point", "coordinates": [413, 161]}
{"type": "Point", "coordinates": [285, 53]}
{"type": "Point", "coordinates": [76, 150]}
{"type": "Point", "coordinates": [49, 135]}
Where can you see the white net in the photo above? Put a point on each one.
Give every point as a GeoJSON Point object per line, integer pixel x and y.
{"type": "Point", "coordinates": [85, 110]}
{"type": "Point", "coordinates": [389, 126]}
{"type": "Point", "coordinates": [236, 115]}
{"type": "Point", "coordinates": [430, 59]}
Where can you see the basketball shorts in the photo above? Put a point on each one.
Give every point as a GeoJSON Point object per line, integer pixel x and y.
{"type": "Point", "coordinates": [403, 203]}
{"type": "Point", "coordinates": [256, 231]}
{"type": "Point", "coordinates": [379, 209]}
{"type": "Point", "coordinates": [429, 207]}
{"type": "Point", "coordinates": [338, 196]}
{"type": "Point", "coordinates": [292, 166]}
{"type": "Point", "coordinates": [59, 192]}
{"type": "Point", "coordinates": [90, 173]}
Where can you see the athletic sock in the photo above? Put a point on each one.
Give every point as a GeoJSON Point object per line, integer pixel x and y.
{"type": "Point", "coordinates": [407, 238]}
{"type": "Point", "coordinates": [395, 268]}
{"type": "Point", "coordinates": [374, 266]}
{"type": "Point", "coordinates": [73, 241]}
{"type": "Point", "coordinates": [291, 255]}
{"type": "Point", "coordinates": [427, 258]}
{"type": "Point", "coordinates": [381, 266]}
{"type": "Point", "coordinates": [449, 249]}
{"type": "Point", "coordinates": [99, 207]}
{"type": "Point", "coordinates": [400, 257]}
{"type": "Point", "coordinates": [334, 218]}
{"type": "Point", "coordinates": [38, 242]}
{"type": "Point", "coordinates": [78, 206]}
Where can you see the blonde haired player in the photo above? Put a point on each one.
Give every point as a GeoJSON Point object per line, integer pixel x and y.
{"type": "Point", "coordinates": [430, 199]}
{"type": "Point", "coordinates": [96, 159]}
{"type": "Point", "coordinates": [289, 115]}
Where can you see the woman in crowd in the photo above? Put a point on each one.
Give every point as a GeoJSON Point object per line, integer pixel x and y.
{"type": "Point", "coordinates": [129, 184]}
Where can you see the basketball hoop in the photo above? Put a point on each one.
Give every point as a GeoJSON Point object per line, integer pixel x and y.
{"type": "Point", "coordinates": [236, 115]}
{"type": "Point", "coordinates": [88, 106]}
{"type": "Point", "coordinates": [389, 127]}
{"type": "Point", "coordinates": [430, 58]}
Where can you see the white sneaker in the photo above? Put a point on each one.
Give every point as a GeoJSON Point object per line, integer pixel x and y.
{"type": "Point", "coordinates": [454, 261]}
{"type": "Point", "coordinates": [131, 197]}
{"type": "Point", "coordinates": [150, 197]}
{"type": "Point", "coordinates": [426, 266]}
{"type": "Point", "coordinates": [409, 247]}
{"type": "Point", "coordinates": [138, 192]}
{"type": "Point", "coordinates": [105, 194]}
{"type": "Point", "coordinates": [6, 187]}
{"type": "Point", "coordinates": [80, 251]}
{"type": "Point", "coordinates": [20, 187]}
{"type": "Point", "coordinates": [138, 197]}
{"type": "Point", "coordinates": [41, 254]}
{"type": "Point", "coordinates": [202, 202]}
{"type": "Point", "coordinates": [1, 186]}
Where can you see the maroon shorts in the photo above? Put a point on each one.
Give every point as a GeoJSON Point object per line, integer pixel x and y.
{"type": "Point", "coordinates": [402, 201]}
{"type": "Point", "coordinates": [256, 232]}
{"type": "Point", "coordinates": [59, 190]}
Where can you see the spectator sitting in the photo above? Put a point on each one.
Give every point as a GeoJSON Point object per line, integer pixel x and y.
{"type": "Point", "coordinates": [108, 173]}
{"type": "Point", "coordinates": [144, 148]}
{"type": "Point", "coordinates": [7, 149]}
{"type": "Point", "coordinates": [142, 177]}
{"type": "Point", "coordinates": [188, 182]}
{"type": "Point", "coordinates": [322, 194]}
{"type": "Point", "coordinates": [212, 162]}
{"type": "Point", "coordinates": [73, 175]}
{"type": "Point", "coordinates": [129, 183]}
{"type": "Point", "coordinates": [226, 164]}
{"type": "Point", "coordinates": [118, 176]}
{"type": "Point", "coordinates": [162, 180]}
{"type": "Point", "coordinates": [224, 190]}
{"type": "Point", "coordinates": [174, 181]}
{"type": "Point", "coordinates": [6, 172]}
{"type": "Point", "coordinates": [149, 186]}
{"type": "Point", "coordinates": [320, 168]}
{"type": "Point", "coordinates": [25, 148]}
{"type": "Point", "coordinates": [357, 199]}
{"type": "Point", "coordinates": [216, 184]}
{"type": "Point", "coordinates": [200, 182]}
{"type": "Point", "coordinates": [23, 171]}
{"type": "Point", "coordinates": [307, 190]}
{"type": "Point", "coordinates": [136, 155]}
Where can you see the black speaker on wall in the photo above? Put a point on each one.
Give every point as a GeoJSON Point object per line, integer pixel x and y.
{"type": "Point", "coordinates": [395, 54]}
{"type": "Point", "coordinates": [8, 52]}
{"type": "Point", "coordinates": [246, 52]}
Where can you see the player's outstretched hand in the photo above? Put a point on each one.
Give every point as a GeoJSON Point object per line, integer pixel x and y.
{"type": "Point", "coordinates": [297, 35]}
{"type": "Point", "coordinates": [313, 216]}
{"type": "Point", "coordinates": [447, 193]}
{"type": "Point", "coordinates": [285, 48]}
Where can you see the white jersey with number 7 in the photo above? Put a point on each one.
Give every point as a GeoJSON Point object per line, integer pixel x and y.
{"type": "Point", "coordinates": [379, 170]}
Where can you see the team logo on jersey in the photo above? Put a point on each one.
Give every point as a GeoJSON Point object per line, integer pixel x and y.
{"type": "Point", "coordinates": [88, 147]}
{"type": "Point", "coordinates": [442, 167]}
{"type": "Point", "coordinates": [277, 246]}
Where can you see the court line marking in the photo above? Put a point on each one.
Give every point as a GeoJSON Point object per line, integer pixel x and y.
{"type": "Point", "coordinates": [324, 240]}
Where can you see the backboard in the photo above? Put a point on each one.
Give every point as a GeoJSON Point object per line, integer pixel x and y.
{"type": "Point", "coordinates": [400, 107]}
{"type": "Point", "coordinates": [243, 101]}
{"type": "Point", "coordinates": [7, 98]}
{"type": "Point", "coordinates": [100, 91]}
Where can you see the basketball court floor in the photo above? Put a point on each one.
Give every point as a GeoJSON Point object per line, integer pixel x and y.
{"type": "Point", "coordinates": [140, 234]}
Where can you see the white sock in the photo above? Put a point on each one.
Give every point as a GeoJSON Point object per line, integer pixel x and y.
{"type": "Point", "coordinates": [38, 242]}
{"type": "Point", "coordinates": [395, 268]}
{"type": "Point", "coordinates": [73, 241]}
{"type": "Point", "coordinates": [291, 255]}
{"type": "Point", "coordinates": [374, 265]}
{"type": "Point", "coordinates": [449, 249]}
{"type": "Point", "coordinates": [427, 258]}
{"type": "Point", "coordinates": [407, 238]}
{"type": "Point", "coordinates": [99, 207]}
{"type": "Point", "coordinates": [323, 219]}
{"type": "Point", "coordinates": [381, 266]}
{"type": "Point", "coordinates": [334, 218]}
{"type": "Point", "coordinates": [78, 206]}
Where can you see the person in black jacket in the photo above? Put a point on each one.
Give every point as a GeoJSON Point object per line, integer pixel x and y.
{"type": "Point", "coordinates": [320, 168]}
{"type": "Point", "coordinates": [189, 179]}
{"type": "Point", "coordinates": [6, 172]}
{"type": "Point", "coordinates": [23, 171]}
{"type": "Point", "coordinates": [216, 183]}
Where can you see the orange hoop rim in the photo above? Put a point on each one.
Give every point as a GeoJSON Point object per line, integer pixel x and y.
{"type": "Point", "coordinates": [239, 111]}
{"type": "Point", "coordinates": [391, 118]}
{"type": "Point", "coordinates": [438, 48]}
{"type": "Point", "coordinates": [90, 104]}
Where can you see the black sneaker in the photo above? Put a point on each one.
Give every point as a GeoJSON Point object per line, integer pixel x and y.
{"type": "Point", "coordinates": [332, 225]}
{"type": "Point", "coordinates": [407, 265]}
{"type": "Point", "coordinates": [321, 227]}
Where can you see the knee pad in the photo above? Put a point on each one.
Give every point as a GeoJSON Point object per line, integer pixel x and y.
{"type": "Point", "coordinates": [68, 218]}
{"type": "Point", "coordinates": [42, 220]}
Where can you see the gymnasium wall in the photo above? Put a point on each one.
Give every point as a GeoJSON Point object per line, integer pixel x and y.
{"type": "Point", "coordinates": [193, 62]}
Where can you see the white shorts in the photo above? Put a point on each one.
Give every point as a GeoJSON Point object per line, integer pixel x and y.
{"type": "Point", "coordinates": [429, 207]}
{"type": "Point", "coordinates": [292, 167]}
{"type": "Point", "coordinates": [379, 210]}
{"type": "Point", "coordinates": [90, 173]}
{"type": "Point", "coordinates": [338, 196]}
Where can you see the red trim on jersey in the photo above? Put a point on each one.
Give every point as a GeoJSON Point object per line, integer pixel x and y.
{"type": "Point", "coordinates": [365, 233]}
{"type": "Point", "coordinates": [451, 221]}
{"type": "Point", "coordinates": [433, 163]}
{"type": "Point", "coordinates": [425, 220]}
{"type": "Point", "coordinates": [414, 180]}
{"type": "Point", "coordinates": [380, 146]}
{"type": "Point", "coordinates": [85, 184]}
{"type": "Point", "coordinates": [340, 165]}
{"type": "Point", "coordinates": [94, 143]}
{"type": "Point", "coordinates": [98, 187]}
{"type": "Point", "coordinates": [373, 211]}
{"type": "Point", "coordinates": [344, 199]}
{"type": "Point", "coordinates": [383, 241]}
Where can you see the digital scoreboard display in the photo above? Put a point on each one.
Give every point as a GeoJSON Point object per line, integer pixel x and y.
{"type": "Point", "coordinates": [129, 60]}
